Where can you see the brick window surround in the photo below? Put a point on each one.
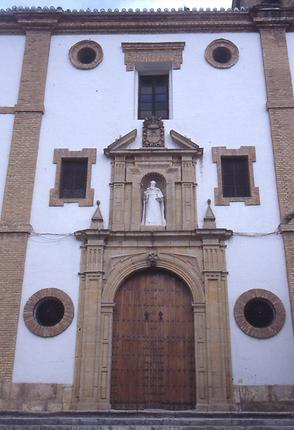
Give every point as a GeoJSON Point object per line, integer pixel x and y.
{"type": "Point", "coordinates": [243, 151]}
{"type": "Point", "coordinates": [50, 331]}
{"type": "Point", "coordinates": [222, 54]}
{"type": "Point", "coordinates": [86, 54]}
{"type": "Point", "coordinates": [61, 154]}
{"type": "Point", "coordinates": [259, 332]}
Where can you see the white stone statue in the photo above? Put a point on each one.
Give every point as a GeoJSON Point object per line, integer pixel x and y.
{"type": "Point", "coordinates": [153, 206]}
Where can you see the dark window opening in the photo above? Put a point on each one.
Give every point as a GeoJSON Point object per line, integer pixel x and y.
{"type": "Point", "coordinates": [222, 54]}
{"type": "Point", "coordinates": [73, 179]}
{"type": "Point", "coordinates": [49, 311]}
{"type": "Point", "coordinates": [153, 97]}
{"type": "Point", "coordinates": [235, 176]}
{"type": "Point", "coordinates": [86, 55]}
{"type": "Point", "coordinates": [259, 313]}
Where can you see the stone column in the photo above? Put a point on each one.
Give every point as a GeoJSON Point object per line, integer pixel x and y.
{"type": "Point", "coordinates": [86, 384]}
{"type": "Point", "coordinates": [200, 356]}
{"type": "Point", "coordinates": [105, 356]}
{"type": "Point", "coordinates": [217, 323]}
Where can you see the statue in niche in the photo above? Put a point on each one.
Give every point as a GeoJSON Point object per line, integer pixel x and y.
{"type": "Point", "coordinates": [153, 206]}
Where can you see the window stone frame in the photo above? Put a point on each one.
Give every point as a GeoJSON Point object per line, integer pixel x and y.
{"type": "Point", "coordinates": [244, 151]}
{"type": "Point", "coordinates": [222, 43]}
{"type": "Point", "coordinates": [74, 51]}
{"type": "Point", "coordinates": [259, 332]}
{"type": "Point", "coordinates": [29, 310]}
{"type": "Point", "coordinates": [59, 155]}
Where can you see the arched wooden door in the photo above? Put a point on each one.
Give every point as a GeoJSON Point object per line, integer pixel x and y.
{"type": "Point", "coordinates": [153, 344]}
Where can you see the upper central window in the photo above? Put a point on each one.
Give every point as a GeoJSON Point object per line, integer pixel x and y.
{"type": "Point", "coordinates": [153, 96]}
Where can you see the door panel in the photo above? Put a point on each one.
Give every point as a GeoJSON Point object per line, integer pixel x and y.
{"type": "Point", "coordinates": [153, 344]}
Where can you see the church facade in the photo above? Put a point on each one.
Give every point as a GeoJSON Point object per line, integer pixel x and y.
{"type": "Point", "coordinates": [146, 186]}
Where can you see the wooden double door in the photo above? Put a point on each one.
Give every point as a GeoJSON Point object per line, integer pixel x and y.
{"type": "Point", "coordinates": [153, 344]}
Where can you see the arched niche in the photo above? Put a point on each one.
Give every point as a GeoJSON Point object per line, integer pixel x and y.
{"type": "Point", "coordinates": [160, 183]}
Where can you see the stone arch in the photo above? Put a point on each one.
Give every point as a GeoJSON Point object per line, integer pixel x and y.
{"type": "Point", "coordinates": [122, 270]}
{"type": "Point", "coordinates": [153, 343]}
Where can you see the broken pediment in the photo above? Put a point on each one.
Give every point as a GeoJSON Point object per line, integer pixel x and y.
{"type": "Point", "coordinates": [153, 141]}
{"type": "Point", "coordinates": [183, 141]}
{"type": "Point", "coordinates": [122, 142]}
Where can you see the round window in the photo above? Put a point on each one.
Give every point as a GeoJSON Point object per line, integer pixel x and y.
{"type": "Point", "coordinates": [222, 54]}
{"type": "Point", "coordinates": [259, 313]}
{"type": "Point", "coordinates": [86, 54]}
{"type": "Point", "coordinates": [48, 312]}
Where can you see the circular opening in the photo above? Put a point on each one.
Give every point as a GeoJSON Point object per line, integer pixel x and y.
{"type": "Point", "coordinates": [49, 311]}
{"type": "Point", "coordinates": [259, 313]}
{"type": "Point", "coordinates": [222, 54]}
{"type": "Point", "coordinates": [86, 55]}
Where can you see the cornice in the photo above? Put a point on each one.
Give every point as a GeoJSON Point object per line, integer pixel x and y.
{"type": "Point", "coordinates": [12, 21]}
{"type": "Point", "coordinates": [272, 17]}
{"type": "Point", "coordinates": [19, 20]}
{"type": "Point", "coordinates": [163, 234]}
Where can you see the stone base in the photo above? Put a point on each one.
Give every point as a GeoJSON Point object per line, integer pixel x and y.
{"type": "Point", "coordinates": [277, 398]}
{"type": "Point", "coordinates": [58, 398]}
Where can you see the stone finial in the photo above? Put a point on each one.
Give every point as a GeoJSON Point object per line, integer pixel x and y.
{"type": "Point", "coordinates": [97, 219]}
{"type": "Point", "coordinates": [209, 219]}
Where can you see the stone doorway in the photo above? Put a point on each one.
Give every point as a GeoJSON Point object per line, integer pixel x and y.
{"type": "Point", "coordinates": [153, 352]}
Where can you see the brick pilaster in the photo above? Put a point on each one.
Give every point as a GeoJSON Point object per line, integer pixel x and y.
{"type": "Point", "coordinates": [17, 201]}
{"type": "Point", "coordinates": [280, 104]}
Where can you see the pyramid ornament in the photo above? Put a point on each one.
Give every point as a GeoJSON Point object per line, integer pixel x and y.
{"type": "Point", "coordinates": [97, 218]}
{"type": "Point", "coordinates": [209, 219]}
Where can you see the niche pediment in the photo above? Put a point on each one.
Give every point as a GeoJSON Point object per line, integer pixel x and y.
{"type": "Point", "coordinates": [153, 140]}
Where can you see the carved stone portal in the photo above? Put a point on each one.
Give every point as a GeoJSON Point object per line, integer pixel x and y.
{"type": "Point", "coordinates": [110, 256]}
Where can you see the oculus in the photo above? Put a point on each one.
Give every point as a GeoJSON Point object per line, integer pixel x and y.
{"type": "Point", "coordinates": [48, 312]}
{"type": "Point", "coordinates": [259, 313]}
{"type": "Point", "coordinates": [222, 54]}
{"type": "Point", "coordinates": [86, 54]}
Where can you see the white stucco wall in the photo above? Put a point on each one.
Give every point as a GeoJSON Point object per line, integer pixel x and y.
{"type": "Point", "coordinates": [214, 108]}
{"type": "Point", "coordinates": [290, 45]}
{"type": "Point", "coordinates": [11, 49]}
{"type": "Point", "coordinates": [51, 263]}
{"type": "Point", "coordinates": [6, 127]}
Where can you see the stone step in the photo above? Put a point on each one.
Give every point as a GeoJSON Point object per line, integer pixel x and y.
{"type": "Point", "coordinates": [147, 421]}
{"type": "Point", "coordinates": [223, 426]}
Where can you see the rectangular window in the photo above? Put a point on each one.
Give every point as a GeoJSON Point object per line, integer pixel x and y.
{"type": "Point", "coordinates": [235, 177]}
{"type": "Point", "coordinates": [73, 178]}
{"type": "Point", "coordinates": [153, 96]}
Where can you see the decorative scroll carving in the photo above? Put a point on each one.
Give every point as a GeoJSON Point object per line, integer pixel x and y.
{"type": "Point", "coordinates": [152, 258]}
